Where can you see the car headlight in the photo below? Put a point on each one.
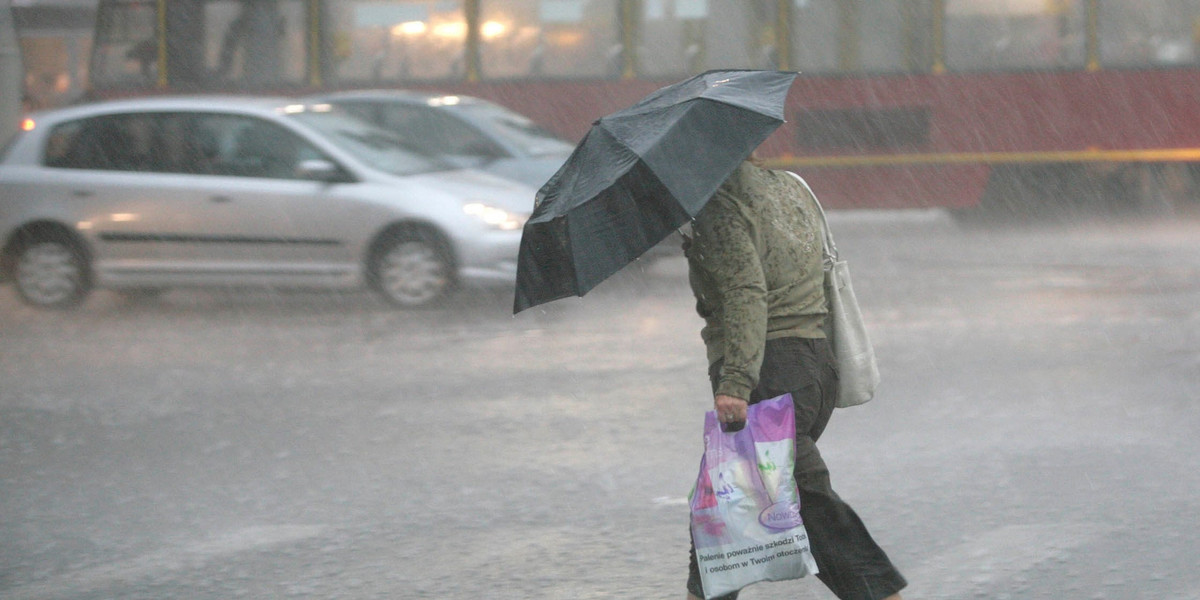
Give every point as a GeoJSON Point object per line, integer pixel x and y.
{"type": "Point", "coordinates": [496, 218]}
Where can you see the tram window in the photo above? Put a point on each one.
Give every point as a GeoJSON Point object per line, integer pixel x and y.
{"type": "Point", "coordinates": [862, 35]}
{"type": "Point", "coordinates": [1008, 34]}
{"type": "Point", "coordinates": [384, 41]}
{"type": "Point", "coordinates": [125, 46]}
{"type": "Point", "coordinates": [53, 70]}
{"type": "Point", "coordinates": [255, 43]}
{"type": "Point", "coordinates": [814, 33]}
{"type": "Point", "coordinates": [549, 38]}
{"type": "Point", "coordinates": [894, 35]}
{"type": "Point", "coordinates": [1136, 33]}
{"type": "Point", "coordinates": [688, 36]}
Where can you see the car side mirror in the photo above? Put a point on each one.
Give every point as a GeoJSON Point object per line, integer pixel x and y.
{"type": "Point", "coordinates": [319, 169]}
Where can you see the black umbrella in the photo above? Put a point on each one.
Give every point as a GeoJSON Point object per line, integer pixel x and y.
{"type": "Point", "coordinates": [639, 174]}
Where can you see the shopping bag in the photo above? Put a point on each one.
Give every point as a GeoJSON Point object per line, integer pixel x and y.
{"type": "Point", "coordinates": [858, 373]}
{"type": "Point", "coordinates": [745, 508]}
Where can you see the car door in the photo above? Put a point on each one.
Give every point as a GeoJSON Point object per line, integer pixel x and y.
{"type": "Point", "coordinates": [113, 177]}
{"type": "Point", "coordinates": [258, 218]}
{"type": "Point", "coordinates": [202, 197]}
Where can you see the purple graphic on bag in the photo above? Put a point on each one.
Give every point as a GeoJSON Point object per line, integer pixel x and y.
{"type": "Point", "coordinates": [781, 516]}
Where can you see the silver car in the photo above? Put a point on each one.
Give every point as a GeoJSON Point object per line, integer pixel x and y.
{"type": "Point", "coordinates": [469, 131]}
{"type": "Point", "coordinates": [146, 194]}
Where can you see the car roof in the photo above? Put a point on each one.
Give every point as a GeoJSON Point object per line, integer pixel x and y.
{"type": "Point", "coordinates": [408, 96]}
{"type": "Point", "coordinates": [239, 104]}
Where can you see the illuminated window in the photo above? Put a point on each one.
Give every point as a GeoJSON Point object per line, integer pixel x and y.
{"type": "Point", "coordinates": [389, 41]}
{"type": "Point", "coordinates": [549, 38]}
{"type": "Point", "coordinates": [1149, 32]}
{"type": "Point", "coordinates": [54, 73]}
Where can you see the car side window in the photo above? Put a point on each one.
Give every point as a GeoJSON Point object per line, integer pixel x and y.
{"type": "Point", "coordinates": [439, 132]}
{"type": "Point", "coordinates": [60, 150]}
{"type": "Point", "coordinates": [187, 146]}
{"type": "Point", "coordinates": [249, 147]}
{"type": "Point", "coordinates": [179, 142]}
{"type": "Point", "coordinates": [110, 143]}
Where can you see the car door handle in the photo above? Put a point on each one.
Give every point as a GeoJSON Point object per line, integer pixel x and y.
{"type": "Point", "coordinates": [220, 199]}
{"type": "Point", "coordinates": [82, 193]}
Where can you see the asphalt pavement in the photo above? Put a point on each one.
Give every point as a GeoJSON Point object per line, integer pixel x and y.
{"type": "Point", "coordinates": [1034, 436]}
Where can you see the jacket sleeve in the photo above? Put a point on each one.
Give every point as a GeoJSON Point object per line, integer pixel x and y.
{"type": "Point", "coordinates": [726, 251]}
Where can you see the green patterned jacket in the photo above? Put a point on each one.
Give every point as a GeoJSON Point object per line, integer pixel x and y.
{"type": "Point", "coordinates": [754, 264]}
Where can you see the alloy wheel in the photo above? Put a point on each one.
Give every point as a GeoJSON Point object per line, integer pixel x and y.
{"type": "Point", "coordinates": [412, 273]}
{"type": "Point", "coordinates": [50, 274]}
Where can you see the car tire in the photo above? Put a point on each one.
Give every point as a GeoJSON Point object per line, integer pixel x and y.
{"type": "Point", "coordinates": [411, 269]}
{"type": "Point", "coordinates": [51, 271]}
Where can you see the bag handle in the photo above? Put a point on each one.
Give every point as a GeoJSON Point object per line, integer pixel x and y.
{"type": "Point", "coordinates": [831, 251]}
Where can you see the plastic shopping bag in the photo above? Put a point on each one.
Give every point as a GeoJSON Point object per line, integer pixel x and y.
{"type": "Point", "coordinates": [745, 509]}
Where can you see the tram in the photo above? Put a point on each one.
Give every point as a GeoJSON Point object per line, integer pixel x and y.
{"type": "Point", "coordinates": [1030, 107]}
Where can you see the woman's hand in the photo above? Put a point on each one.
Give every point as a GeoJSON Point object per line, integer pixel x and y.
{"type": "Point", "coordinates": [730, 409]}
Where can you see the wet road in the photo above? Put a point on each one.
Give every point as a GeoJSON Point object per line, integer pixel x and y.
{"type": "Point", "coordinates": [1035, 436]}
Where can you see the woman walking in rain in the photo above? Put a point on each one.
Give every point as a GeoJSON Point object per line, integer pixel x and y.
{"type": "Point", "coordinates": [754, 263]}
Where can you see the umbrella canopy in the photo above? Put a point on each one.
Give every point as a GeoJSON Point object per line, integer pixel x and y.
{"type": "Point", "coordinates": [640, 173]}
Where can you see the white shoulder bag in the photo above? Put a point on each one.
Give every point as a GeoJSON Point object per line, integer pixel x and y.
{"type": "Point", "coordinates": [857, 372]}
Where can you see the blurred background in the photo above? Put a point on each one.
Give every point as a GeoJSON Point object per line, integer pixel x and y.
{"type": "Point", "coordinates": [1015, 182]}
{"type": "Point", "coordinates": [993, 106]}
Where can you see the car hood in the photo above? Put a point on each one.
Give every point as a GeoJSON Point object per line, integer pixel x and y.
{"type": "Point", "coordinates": [533, 172]}
{"type": "Point", "coordinates": [477, 186]}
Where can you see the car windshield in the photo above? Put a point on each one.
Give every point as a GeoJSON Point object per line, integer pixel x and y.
{"type": "Point", "coordinates": [518, 130]}
{"type": "Point", "coordinates": [375, 147]}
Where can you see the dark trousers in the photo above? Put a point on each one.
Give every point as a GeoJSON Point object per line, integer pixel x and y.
{"type": "Point", "coordinates": [851, 564]}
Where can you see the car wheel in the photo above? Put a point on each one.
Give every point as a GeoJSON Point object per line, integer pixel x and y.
{"type": "Point", "coordinates": [51, 272]}
{"type": "Point", "coordinates": [412, 269]}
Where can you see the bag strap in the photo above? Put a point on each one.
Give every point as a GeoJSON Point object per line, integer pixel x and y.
{"type": "Point", "coordinates": [830, 249]}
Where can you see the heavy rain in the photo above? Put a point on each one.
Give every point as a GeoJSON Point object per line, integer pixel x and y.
{"type": "Point", "coordinates": [1033, 437]}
